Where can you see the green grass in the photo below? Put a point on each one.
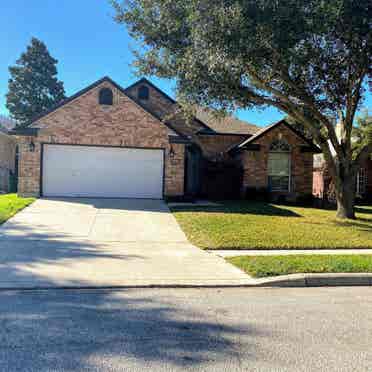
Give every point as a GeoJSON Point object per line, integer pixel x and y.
{"type": "Point", "coordinates": [10, 204]}
{"type": "Point", "coordinates": [264, 266]}
{"type": "Point", "coordinates": [258, 225]}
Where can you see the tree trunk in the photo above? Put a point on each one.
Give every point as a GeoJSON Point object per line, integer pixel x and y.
{"type": "Point", "coordinates": [345, 196]}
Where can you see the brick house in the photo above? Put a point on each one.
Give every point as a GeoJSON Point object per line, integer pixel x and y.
{"type": "Point", "coordinates": [7, 160]}
{"type": "Point", "coordinates": [109, 141]}
{"type": "Point", "coordinates": [323, 188]}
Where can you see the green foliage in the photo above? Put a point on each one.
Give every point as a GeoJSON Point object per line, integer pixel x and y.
{"type": "Point", "coordinates": [260, 225]}
{"type": "Point", "coordinates": [362, 132]}
{"type": "Point", "coordinates": [311, 59]}
{"type": "Point", "coordinates": [300, 127]}
{"type": "Point", "coordinates": [10, 204]}
{"type": "Point", "coordinates": [241, 52]}
{"type": "Point", "coordinates": [264, 266]}
{"type": "Point", "coordinates": [33, 86]}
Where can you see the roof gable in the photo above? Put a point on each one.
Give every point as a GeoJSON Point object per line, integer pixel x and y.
{"type": "Point", "coordinates": [167, 108]}
{"type": "Point", "coordinates": [70, 99]}
{"type": "Point", "coordinates": [149, 83]}
{"type": "Point", "coordinates": [266, 130]}
{"type": "Point", "coordinates": [33, 126]}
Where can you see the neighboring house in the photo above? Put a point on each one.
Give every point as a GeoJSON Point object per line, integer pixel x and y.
{"type": "Point", "coordinates": [323, 188]}
{"type": "Point", "coordinates": [107, 141]}
{"type": "Point", "coordinates": [6, 123]}
{"type": "Point", "coordinates": [7, 160]}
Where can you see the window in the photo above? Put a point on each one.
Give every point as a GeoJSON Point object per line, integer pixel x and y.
{"type": "Point", "coordinates": [280, 145]}
{"type": "Point", "coordinates": [105, 96]}
{"type": "Point", "coordinates": [361, 185]}
{"type": "Point", "coordinates": [143, 92]}
{"type": "Point", "coordinates": [279, 166]}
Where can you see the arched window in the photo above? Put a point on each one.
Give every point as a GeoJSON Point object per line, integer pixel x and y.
{"type": "Point", "coordinates": [279, 166]}
{"type": "Point", "coordinates": [105, 96]}
{"type": "Point", "coordinates": [280, 145]}
{"type": "Point", "coordinates": [143, 92]}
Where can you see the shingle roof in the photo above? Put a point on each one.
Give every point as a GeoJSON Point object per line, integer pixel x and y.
{"type": "Point", "coordinates": [31, 128]}
{"type": "Point", "coordinates": [205, 121]}
{"type": "Point", "coordinates": [227, 124]}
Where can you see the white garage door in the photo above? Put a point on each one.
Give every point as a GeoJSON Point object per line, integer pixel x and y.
{"type": "Point", "coordinates": [109, 172]}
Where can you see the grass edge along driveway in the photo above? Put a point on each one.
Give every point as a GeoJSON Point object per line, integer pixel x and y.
{"type": "Point", "coordinates": [259, 225]}
{"type": "Point", "coordinates": [10, 204]}
{"type": "Point", "coordinates": [266, 266]}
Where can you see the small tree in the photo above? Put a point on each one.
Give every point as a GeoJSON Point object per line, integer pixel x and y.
{"type": "Point", "coordinates": [33, 86]}
{"type": "Point", "coordinates": [308, 58]}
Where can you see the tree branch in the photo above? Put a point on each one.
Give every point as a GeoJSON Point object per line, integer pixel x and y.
{"type": "Point", "coordinates": [297, 114]}
{"type": "Point", "coordinates": [309, 103]}
{"type": "Point", "coordinates": [304, 97]}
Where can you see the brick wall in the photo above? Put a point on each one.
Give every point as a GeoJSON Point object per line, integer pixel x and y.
{"type": "Point", "coordinates": [166, 109]}
{"type": "Point", "coordinates": [156, 103]}
{"type": "Point", "coordinates": [211, 146]}
{"type": "Point", "coordinates": [83, 121]}
{"type": "Point", "coordinates": [7, 159]}
{"type": "Point", "coordinates": [255, 162]}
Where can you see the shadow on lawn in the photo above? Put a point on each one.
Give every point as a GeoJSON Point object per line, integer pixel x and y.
{"type": "Point", "coordinates": [242, 207]}
{"type": "Point", "coordinates": [362, 224]}
{"type": "Point", "coordinates": [363, 210]}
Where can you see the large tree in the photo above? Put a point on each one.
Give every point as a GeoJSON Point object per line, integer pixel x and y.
{"type": "Point", "coordinates": [311, 59]}
{"type": "Point", "coordinates": [33, 86]}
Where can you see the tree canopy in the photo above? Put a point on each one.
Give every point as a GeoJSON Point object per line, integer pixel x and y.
{"type": "Point", "coordinates": [362, 131]}
{"type": "Point", "coordinates": [33, 86]}
{"type": "Point", "coordinates": [311, 59]}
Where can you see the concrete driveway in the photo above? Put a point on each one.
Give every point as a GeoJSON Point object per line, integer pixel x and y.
{"type": "Point", "coordinates": [103, 243]}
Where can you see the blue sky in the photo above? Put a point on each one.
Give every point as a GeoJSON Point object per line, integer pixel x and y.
{"type": "Point", "coordinates": [88, 44]}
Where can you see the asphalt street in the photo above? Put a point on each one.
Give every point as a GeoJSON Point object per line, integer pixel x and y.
{"type": "Point", "coordinates": [260, 329]}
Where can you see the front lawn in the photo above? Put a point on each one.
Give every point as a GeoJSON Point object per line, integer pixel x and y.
{"type": "Point", "coordinates": [10, 204]}
{"type": "Point", "coordinates": [264, 266]}
{"type": "Point", "coordinates": [259, 225]}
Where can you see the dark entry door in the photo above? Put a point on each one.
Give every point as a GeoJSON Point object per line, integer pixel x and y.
{"type": "Point", "coordinates": [193, 171]}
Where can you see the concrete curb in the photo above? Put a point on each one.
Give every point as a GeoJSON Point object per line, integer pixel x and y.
{"type": "Point", "coordinates": [318, 280]}
{"type": "Point", "coordinates": [293, 280]}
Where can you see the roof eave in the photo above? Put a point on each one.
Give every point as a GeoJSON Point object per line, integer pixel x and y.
{"type": "Point", "coordinates": [24, 131]}
{"type": "Point", "coordinates": [202, 133]}
{"type": "Point", "coordinates": [178, 140]}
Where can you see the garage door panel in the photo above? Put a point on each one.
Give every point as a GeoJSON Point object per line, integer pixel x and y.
{"type": "Point", "coordinates": [102, 172]}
